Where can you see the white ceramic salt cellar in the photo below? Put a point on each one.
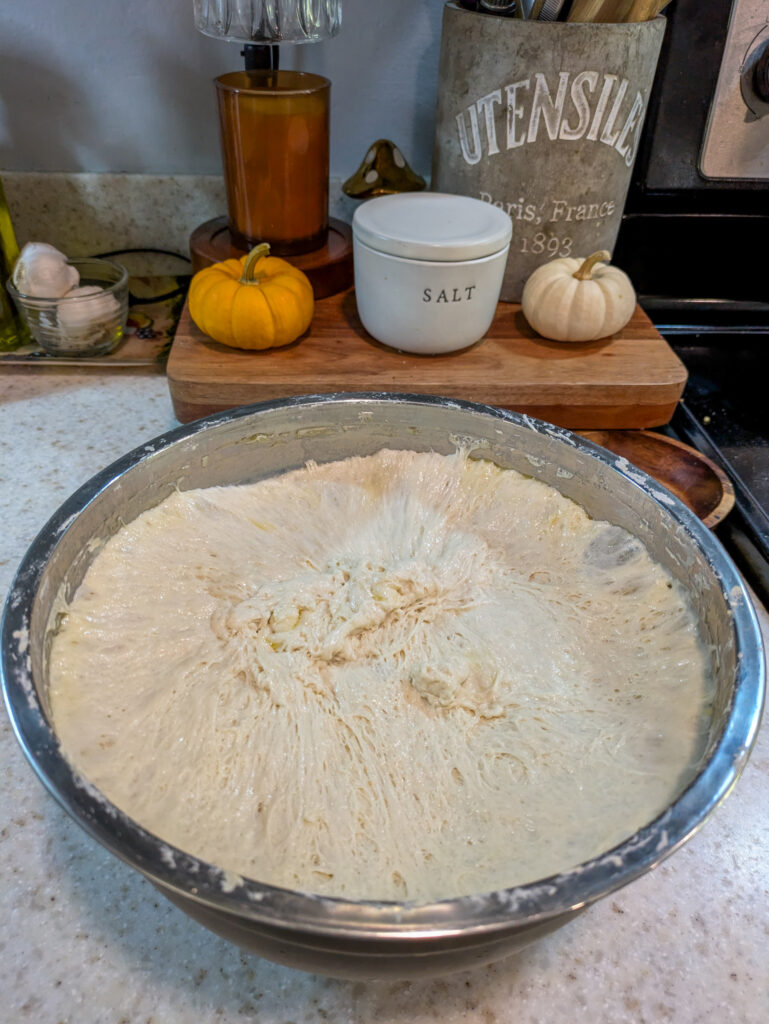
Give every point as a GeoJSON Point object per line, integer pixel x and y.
{"type": "Point", "coordinates": [429, 269]}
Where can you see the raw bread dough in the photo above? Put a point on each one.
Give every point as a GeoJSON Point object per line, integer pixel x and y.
{"type": "Point", "coordinates": [405, 676]}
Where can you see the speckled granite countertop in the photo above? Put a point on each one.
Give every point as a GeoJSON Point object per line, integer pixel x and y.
{"type": "Point", "coordinates": [85, 940]}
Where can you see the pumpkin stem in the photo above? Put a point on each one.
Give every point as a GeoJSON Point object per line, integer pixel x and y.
{"type": "Point", "coordinates": [247, 277]}
{"type": "Point", "coordinates": [585, 272]}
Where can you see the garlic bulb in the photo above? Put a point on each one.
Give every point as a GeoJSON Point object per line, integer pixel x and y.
{"type": "Point", "coordinates": [42, 272]}
{"type": "Point", "coordinates": [86, 311]}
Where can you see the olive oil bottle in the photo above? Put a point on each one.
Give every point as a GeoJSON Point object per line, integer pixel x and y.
{"type": "Point", "coordinates": [13, 333]}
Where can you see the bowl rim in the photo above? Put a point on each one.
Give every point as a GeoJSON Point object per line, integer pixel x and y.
{"type": "Point", "coordinates": [483, 914]}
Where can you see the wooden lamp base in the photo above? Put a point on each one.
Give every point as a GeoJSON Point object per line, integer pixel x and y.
{"type": "Point", "coordinates": [329, 267]}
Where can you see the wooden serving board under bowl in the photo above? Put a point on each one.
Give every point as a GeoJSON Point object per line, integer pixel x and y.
{"type": "Point", "coordinates": [633, 379]}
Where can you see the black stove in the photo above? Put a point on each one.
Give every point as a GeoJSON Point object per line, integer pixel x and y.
{"type": "Point", "coordinates": [698, 280]}
{"type": "Point", "coordinates": [725, 414]}
{"type": "Point", "coordinates": [691, 241]}
{"type": "Point", "coordinates": [727, 395]}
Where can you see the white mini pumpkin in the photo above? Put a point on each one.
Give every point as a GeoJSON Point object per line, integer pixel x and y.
{"type": "Point", "coordinates": [577, 299]}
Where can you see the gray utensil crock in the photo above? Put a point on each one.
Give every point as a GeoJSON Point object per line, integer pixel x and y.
{"type": "Point", "coordinates": [543, 119]}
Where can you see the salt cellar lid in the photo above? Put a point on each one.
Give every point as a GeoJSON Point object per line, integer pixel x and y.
{"type": "Point", "coordinates": [432, 226]}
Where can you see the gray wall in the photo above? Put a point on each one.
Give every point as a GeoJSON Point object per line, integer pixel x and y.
{"type": "Point", "coordinates": [125, 85]}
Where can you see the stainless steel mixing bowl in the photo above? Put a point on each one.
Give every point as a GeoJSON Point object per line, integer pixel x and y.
{"type": "Point", "coordinates": [368, 939]}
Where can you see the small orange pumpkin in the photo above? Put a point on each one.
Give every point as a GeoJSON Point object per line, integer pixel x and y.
{"type": "Point", "coordinates": [256, 302]}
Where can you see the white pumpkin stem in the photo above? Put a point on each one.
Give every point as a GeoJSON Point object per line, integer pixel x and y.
{"type": "Point", "coordinates": [585, 272]}
{"type": "Point", "coordinates": [247, 277]}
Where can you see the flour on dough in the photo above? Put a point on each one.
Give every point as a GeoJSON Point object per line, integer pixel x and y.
{"type": "Point", "coordinates": [406, 676]}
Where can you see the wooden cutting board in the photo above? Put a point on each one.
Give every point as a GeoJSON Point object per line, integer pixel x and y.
{"type": "Point", "coordinates": [633, 379]}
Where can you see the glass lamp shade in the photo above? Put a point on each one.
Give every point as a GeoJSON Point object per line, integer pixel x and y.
{"type": "Point", "coordinates": [268, 21]}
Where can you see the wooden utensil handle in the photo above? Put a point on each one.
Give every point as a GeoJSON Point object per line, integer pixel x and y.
{"type": "Point", "coordinates": [645, 10]}
{"type": "Point", "coordinates": [584, 10]}
{"type": "Point", "coordinates": [600, 11]}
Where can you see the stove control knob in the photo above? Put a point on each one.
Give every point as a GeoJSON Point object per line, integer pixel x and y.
{"type": "Point", "coordinates": [761, 74]}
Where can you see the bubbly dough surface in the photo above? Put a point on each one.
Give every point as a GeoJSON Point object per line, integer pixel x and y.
{"type": "Point", "coordinates": [407, 676]}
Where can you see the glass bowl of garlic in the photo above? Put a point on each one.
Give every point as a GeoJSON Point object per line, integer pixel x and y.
{"type": "Point", "coordinates": [76, 307]}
